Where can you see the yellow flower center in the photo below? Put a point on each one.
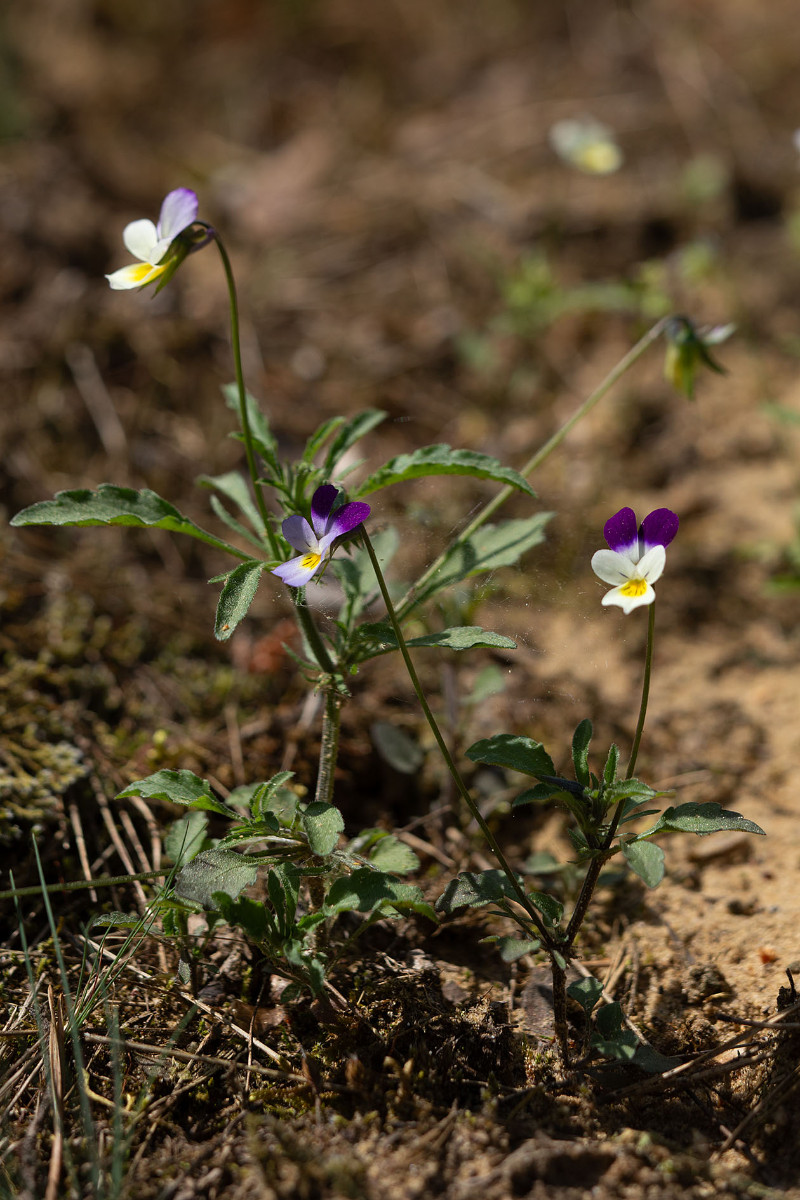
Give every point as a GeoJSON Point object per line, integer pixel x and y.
{"type": "Point", "coordinates": [634, 587]}
{"type": "Point", "coordinates": [312, 559]}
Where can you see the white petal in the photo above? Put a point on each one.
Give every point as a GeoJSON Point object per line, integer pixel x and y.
{"type": "Point", "coordinates": [651, 565]}
{"type": "Point", "coordinates": [137, 275]}
{"type": "Point", "coordinates": [612, 567]}
{"type": "Point", "coordinates": [140, 239]}
{"type": "Point", "coordinates": [629, 603]}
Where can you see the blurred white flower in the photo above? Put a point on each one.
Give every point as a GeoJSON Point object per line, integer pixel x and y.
{"type": "Point", "coordinates": [586, 144]}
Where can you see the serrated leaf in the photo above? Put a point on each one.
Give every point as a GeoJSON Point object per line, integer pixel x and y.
{"type": "Point", "coordinates": [214, 871]}
{"type": "Point", "coordinates": [514, 752]}
{"type": "Point", "coordinates": [441, 459]}
{"type": "Point", "coordinates": [322, 823]}
{"type": "Point", "coordinates": [369, 891]}
{"type": "Point", "coordinates": [490, 548]}
{"type": "Point", "coordinates": [234, 487]}
{"type": "Point", "coordinates": [238, 593]}
{"type": "Point", "coordinates": [581, 740]}
{"type": "Point", "coordinates": [474, 889]}
{"type": "Point", "coordinates": [587, 992]}
{"type": "Point", "coordinates": [350, 433]}
{"type": "Point", "coordinates": [186, 837]}
{"type": "Point", "coordinates": [179, 787]}
{"type": "Point", "coordinates": [112, 505]}
{"type": "Point", "coordinates": [701, 819]}
{"type": "Point", "coordinates": [646, 859]}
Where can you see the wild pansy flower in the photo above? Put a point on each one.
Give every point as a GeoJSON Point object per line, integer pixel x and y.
{"type": "Point", "coordinates": [636, 556]}
{"type": "Point", "coordinates": [317, 541]}
{"type": "Point", "coordinates": [154, 245]}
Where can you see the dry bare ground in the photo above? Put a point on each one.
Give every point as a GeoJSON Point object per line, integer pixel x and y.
{"type": "Point", "coordinates": [405, 238]}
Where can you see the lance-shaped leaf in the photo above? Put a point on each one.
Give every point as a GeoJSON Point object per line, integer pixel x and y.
{"type": "Point", "coordinates": [260, 431]}
{"type": "Point", "coordinates": [488, 549]}
{"type": "Point", "coordinates": [369, 891]}
{"type": "Point", "coordinates": [112, 505]}
{"type": "Point", "coordinates": [701, 819]}
{"type": "Point", "coordinates": [514, 752]}
{"type": "Point", "coordinates": [512, 948]}
{"type": "Point", "coordinates": [214, 871]}
{"type": "Point", "coordinates": [179, 787]}
{"type": "Point", "coordinates": [441, 459]}
{"type": "Point", "coordinates": [238, 592]}
{"type": "Point", "coordinates": [460, 637]}
{"type": "Point", "coordinates": [233, 487]}
{"type": "Point", "coordinates": [350, 433]}
{"type": "Point", "coordinates": [581, 740]}
{"type": "Point", "coordinates": [474, 889]}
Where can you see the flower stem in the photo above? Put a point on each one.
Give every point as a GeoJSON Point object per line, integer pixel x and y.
{"type": "Point", "coordinates": [648, 666]}
{"type": "Point", "coordinates": [312, 634]}
{"type": "Point", "coordinates": [243, 414]}
{"type": "Point", "coordinates": [634, 354]}
{"type": "Point", "coordinates": [522, 899]}
{"type": "Point", "coordinates": [329, 746]}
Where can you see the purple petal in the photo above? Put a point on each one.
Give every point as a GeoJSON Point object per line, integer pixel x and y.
{"type": "Point", "coordinates": [620, 531]}
{"type": "Point", "coordinates": [321, 505]}
{"type": "Point", "coordinates": [296, 572]}
{"type": "Point", "coordinates": [178, 212]}
{"type": "Point", "coordinates": [658, 528]}
{"type": "Point", "coordinates": [299, 533]}
{"type": "Point", "coordinates": [346, 518]}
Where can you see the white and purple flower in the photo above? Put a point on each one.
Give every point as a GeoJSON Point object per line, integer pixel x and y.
{"type": "Point", "coordinates": [636, 556]}
{"type": "Point", "coordinates": [151, 244]}
{"type": "Point", "coordinates": [317, 541]}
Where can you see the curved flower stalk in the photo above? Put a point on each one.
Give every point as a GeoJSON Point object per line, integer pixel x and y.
{"type": "Point", "coordinates": [155, 245]}
{"type": "Point", "coordinates": [317, 541]}
{"type": "Point", "coordinates": [636, 557]}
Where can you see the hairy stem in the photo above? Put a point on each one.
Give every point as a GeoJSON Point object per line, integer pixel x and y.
{"type": "Point", "coordinates": [329, 746]}
{"type": "Point", "coordinates": [243, 414]}
{"type": "Point", "coordinates": [522, 899]}
{"type": "Point", "coordinates": [312, 634]}
{"type": "Point", "coordinates": [634, 354]}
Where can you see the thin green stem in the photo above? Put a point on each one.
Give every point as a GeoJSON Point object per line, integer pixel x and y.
{"type": "Point", "coordinates": [312, 634]}
{"type": "Point", "coordinates": [76, 885]}
{"type": "Point", "coordinates": [519, 893]}
{"type": "Point", "coordinates": [648, 666]}
{"type": "Point", "coordinates": [634, 354]}
{"type": "Point", "coordinates": [243, 414]}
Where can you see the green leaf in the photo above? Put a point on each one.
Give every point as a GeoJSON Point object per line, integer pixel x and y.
{"type": "Point", "coordinates": [701, 819]}
{"type": "Point", "coordinates": [179, 787]}
{"type": "Point", "coordinates": [356, 574]}
{"type": "Point", "coordinates": [369, 891]}
{"type": "Point", "coordinates": [390, 854]}
{"type": "Point", "coordinates": [539, 794]}
{"type": "Point", "coordinates": [283, 887]}
{"type": "Point", "coordinates": [580, 751]}
{"type": "Point", "coordinates": [351, 432]}
{"type": "Point", "coordinates": [490, 548]}
{"type": "Point", "coordinates": [551, 909]}
{"type": "Point", "coordinates": [612, 763]}
{"type": "Point", "coordinates": [227, 519]}
{"type": "Point", "coordinates": [323, 823]}
{"type": "Point", "coordinates": [460, 637]}
{"type": "Point", "coordinates": [320, 436]}
{"type": "Point", "coordinates": [474, 889]}
{"type": "Point", "coordinates": [234, 487]}
{"type": "Point", "coordinates": [244, 913]}
{"type": "Point", "coordinates": [514, 752]}
{"type": "Point", "coordinates": [112, 505]}
{"type": "Point", "coordinates": [238, 592]}
{"type": "Point", "coordinates": [512, 948]}
{"type": "Point", "coordinates": [442, 460]}
{"type": "Point", "coordinates": [587, 992]}
{"type": "Point", "coordinates": [214, 871]}
{"type": "Point", "coordinates": [646, 859]}
{"type": "Point", "coordinates": [260, 431]}
{"type": "Point", "coordinates": [186, 837]}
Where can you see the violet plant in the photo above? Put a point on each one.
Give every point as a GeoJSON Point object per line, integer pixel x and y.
{"type": "Point", "coordinates": [311, 873]}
